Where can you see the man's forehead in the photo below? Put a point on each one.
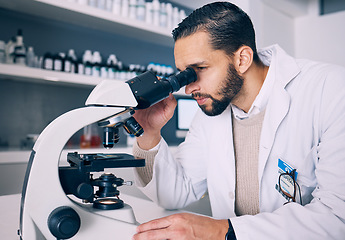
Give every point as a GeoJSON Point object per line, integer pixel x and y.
{"type": "Point", "coordinates": [199, 37]}
{"type": "Point", "coordinates": [192, 50]}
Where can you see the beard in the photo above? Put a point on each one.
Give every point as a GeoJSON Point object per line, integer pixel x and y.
{"type": "Point", "coordinates": [228, 89]}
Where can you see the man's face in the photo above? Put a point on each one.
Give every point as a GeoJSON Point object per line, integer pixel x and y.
{"type": "Point", "coordinates": [218, 81]}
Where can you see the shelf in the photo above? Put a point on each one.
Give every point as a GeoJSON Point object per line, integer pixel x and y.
{"type": "Point", "coordinates": [90, 17]}
{"type": "Point", "coordinates": [37, 75]}
{"type": "Point", "coordinates": [23, 73]}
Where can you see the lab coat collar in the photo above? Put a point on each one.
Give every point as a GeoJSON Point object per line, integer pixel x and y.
{"type": "Point", "coordinates": [286, 67]}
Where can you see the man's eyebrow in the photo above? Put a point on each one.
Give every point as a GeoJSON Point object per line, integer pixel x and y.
{"type": "Point", "coordinates": [193, 65]}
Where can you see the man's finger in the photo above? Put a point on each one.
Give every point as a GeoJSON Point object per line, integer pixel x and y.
{"type": "Point", "coordinates": [157, 234]}
{"type": "Point", "coordinates": [154, 224]}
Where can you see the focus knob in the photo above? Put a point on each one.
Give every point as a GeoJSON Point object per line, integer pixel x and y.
{"type": "Point", "coordinates": [64, 222]}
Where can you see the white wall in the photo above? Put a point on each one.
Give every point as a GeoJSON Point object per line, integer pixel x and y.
{"type": "Point", "coordinates": [272, 26]}
{"type": "Point", "coordinates": [321, 38]}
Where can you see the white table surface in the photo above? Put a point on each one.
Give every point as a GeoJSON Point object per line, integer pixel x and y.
{"type": "Point", "coordinates": [144, 211]}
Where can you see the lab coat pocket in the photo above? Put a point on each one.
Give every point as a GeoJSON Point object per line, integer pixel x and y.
{"type": "Point", "coordinates": [306, 176]}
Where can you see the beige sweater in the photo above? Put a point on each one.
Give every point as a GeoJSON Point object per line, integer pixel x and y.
{"type": "Point", "coordinates": [246, 143]}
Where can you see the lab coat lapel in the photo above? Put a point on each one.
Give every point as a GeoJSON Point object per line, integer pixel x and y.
{"type": "Point", "coordinates": [275, 113]}
{"type": "Point", "coordinates": [285, 69]}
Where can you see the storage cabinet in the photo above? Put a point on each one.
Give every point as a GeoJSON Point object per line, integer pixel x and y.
{"type": "Point", "coordinates": [34, 97]}
{"type": "Point", "coordinates": [85, 16]}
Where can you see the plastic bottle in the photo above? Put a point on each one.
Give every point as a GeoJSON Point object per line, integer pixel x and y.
{"type": "Point", "coordinates": [169, 10]}
{"type": "Point", "coordinates": [87, 61]}
{"type": "Point", "coordinates": [132, 10]}
{"type": "Point", "coordinates": [175, 17]}
{"type": "Point", "coordinates": [163, 15]}
{"type": "Point", "coordinates": [80, 66]}
{"type": "Point", "coordinates": [132, 70]}
{"type": "Point", "coordinates": [9, 50]}
{"type": "Point", "coordinates": [109, 5]}
{"type": "Point", "coordinates": [156, 12]}
{"type": "Point", "coordinates": [19, 49]}
{"type": "Point", "coordinates": [121, 73]}
{"type": "Point", "coordinates": [112, 66]}
{"type": "Point", "coordinates": [92, 3]}
{"type": "Point", "coordinates": [151, 67]}
{"type": "Point", "coordinates": [104, 71]}
{"type": "Point", "coordinates": [116, 7]}
{"type": "Point", "coordinates": [30, 57]}
{"type": "Point", "coordinates": [148, 13]}
{"type": "Point", "coordinates": [74, 65]}
{"type": "Point", "coordinates": [58, 62]}
{"type": "Point", "coordinates": [38, 61]}
{"type": "Point", "coordinates": [2, 52]}
{"type": "Point", "coordinates": [124, 8]}
{"type": "Point", "coordinates": [159, 70]}
{"type": "Point", "coordinates": [70, 62]}
{"type": "Point", "coordinates": [141, 10]}
{"type": "Point", "coordinates": [47, 62]}
{"type": "Point", "coordinates": [67, 64]}
{"type": "Point", "coordinates": [100, 4]}
{"type": "Point", "coordinates": [182, 14]}
{"type": "Point", "coordinates": [96, 64]}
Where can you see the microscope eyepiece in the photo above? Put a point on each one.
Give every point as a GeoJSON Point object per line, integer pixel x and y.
{"type": "Point", "coordinates": [148, 89]}
{"type": "Point", "coordinates": [182, 79]}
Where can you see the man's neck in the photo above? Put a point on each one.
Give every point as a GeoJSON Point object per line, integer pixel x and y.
{"type": "Point", "coordinates": [253, 81]}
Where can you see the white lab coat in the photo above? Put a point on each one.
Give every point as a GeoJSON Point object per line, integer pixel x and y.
{"type": "Point", "coordinates": [304, 125]}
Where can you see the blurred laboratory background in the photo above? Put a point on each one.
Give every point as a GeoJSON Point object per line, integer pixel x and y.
{"type": "Point", "coordinates": [54, 52]}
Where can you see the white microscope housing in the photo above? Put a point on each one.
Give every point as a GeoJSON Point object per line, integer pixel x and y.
{"type": "Point", "coordinates": [47, 212]}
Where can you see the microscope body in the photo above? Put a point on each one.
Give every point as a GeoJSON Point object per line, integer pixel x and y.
{"type": "Point", "coordinates": [43, 192]}
{"type": "Point", "coordinates": [46, 210]}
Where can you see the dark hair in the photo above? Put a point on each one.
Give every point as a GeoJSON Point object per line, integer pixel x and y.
{"type": "Point", "coordinates": [229, 27]}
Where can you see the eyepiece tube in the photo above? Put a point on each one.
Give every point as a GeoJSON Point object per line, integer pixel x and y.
{"type": "Point", "coordinates": [182, 79]}
{"type": "Point", "coordinates": [148, 89]}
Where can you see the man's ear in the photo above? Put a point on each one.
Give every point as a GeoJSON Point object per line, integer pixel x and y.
{"type": "Point", "coordinates": [243, 59]}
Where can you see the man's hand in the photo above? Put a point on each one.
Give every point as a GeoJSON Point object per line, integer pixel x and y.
{"type": "Point", "coordinates": [182, 226]}
{"type": "Point", "coordinates": [152, 120]}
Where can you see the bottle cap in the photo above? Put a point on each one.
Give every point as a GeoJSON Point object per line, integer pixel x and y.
{"type": "Point", "coordinates": [87, 57]}
{"type": "Point", "coordinates": [96, 57]}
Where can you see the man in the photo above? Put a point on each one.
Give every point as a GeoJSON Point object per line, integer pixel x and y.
{"type": "Point", "coordinates": [268, 145]}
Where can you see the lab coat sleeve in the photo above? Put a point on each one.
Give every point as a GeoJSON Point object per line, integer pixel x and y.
{"type": "Point", "coordinates": [324, 216]}
{"type": "Point", "coordinates": [179, 179]}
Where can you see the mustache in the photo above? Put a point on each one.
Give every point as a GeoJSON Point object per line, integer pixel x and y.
{"type": "Point", "coordinates": [201, 95]}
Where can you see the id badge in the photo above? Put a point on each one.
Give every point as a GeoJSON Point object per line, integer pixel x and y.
{"type": "Point", "coordinates": [287, 183]}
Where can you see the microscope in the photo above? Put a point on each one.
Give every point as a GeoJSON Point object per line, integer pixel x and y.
{"type": "Point", "coordinates": [61, 202]}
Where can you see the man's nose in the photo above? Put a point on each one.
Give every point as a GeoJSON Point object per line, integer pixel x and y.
{"type": "Point", "coordinates": [192, 87]}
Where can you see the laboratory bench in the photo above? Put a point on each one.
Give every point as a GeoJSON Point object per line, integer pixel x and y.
{"type": "Point", "coordinates": [144, 211]}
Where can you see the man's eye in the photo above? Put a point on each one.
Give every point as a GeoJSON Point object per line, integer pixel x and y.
{"type": "Point", "coordinates": [201, 68]}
